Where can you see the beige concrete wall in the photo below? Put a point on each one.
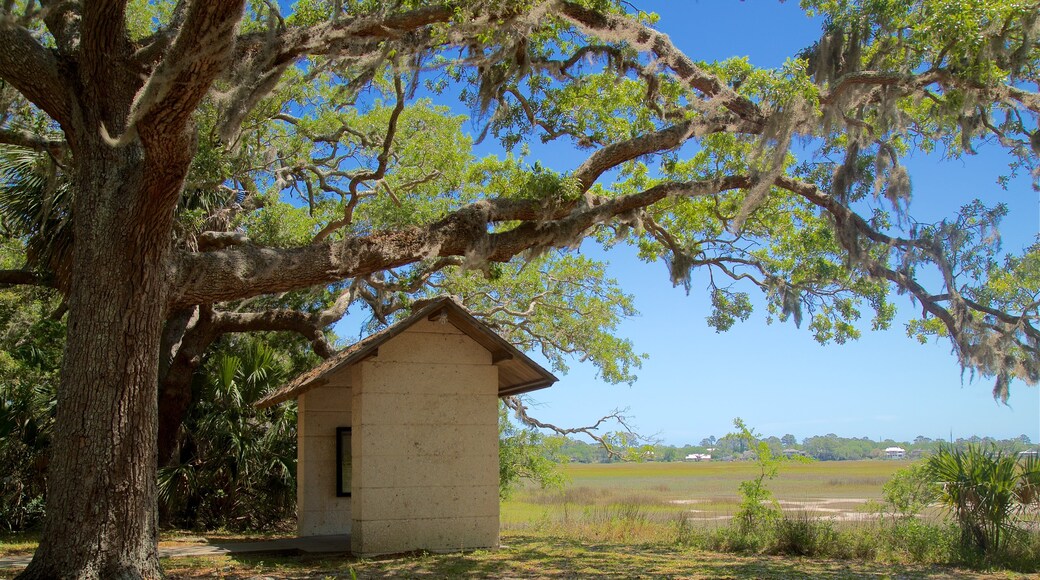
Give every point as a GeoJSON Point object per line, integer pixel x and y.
{"type": "Point", "coordinates": [321, 410]}
{"type": "Point", "coordinates": [425, 438]}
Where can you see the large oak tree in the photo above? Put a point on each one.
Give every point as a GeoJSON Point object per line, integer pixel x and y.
{"type": "Point", "coordinates": [174, 130]}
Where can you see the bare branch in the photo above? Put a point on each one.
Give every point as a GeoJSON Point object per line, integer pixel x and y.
{"type": "Point", "coordinates": [590, 431]}
{"type": "Point", "coordinates": [380, 170]}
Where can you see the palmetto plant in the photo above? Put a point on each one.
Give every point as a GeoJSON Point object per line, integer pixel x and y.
{"type": "Point", "coordinates": [35, 205]}
{"type": "Point", "coordinates": [1028, 489]}
{"type": "Point", "coordinates": [236, 464]}
{"type": "Point", "coordinates": [984, 488]}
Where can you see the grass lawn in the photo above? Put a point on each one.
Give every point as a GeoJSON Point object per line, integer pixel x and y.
{"type": "Point", "coordinates": [533, 557]}
{"type": "Point", "coordinates": [528, 556]}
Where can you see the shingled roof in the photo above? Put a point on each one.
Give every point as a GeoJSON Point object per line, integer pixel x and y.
{"type": "Point", "coordinates": [517, 373]}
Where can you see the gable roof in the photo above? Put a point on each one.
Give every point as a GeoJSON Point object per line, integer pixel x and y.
{"type": "Point", "coordinates": [517, 373]}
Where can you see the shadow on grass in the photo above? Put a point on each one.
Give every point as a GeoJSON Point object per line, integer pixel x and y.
{"type": "Point", "coordinates": [531, 557]}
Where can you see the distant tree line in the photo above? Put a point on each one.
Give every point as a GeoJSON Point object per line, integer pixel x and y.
{"type": "Point", "coordinates": [829, 447]}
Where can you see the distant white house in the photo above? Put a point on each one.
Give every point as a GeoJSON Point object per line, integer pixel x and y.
{"type": "Point", "coordinates": [1027, 454]}
{"type": "Point", "coordinates": [698, 457]}
{"type": "Point", "coordinates": [895, 453]}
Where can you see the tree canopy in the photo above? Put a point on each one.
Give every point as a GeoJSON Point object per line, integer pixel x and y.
{"type": "Point", "coordinates": [179, 171]}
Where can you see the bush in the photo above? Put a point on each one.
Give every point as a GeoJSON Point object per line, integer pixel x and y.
{"type": "Point", "coordinates": [734, 539]}
{"type": "Point", "coordinates": [910, 490]}
{"type": "Point", "coordinates": [526, 455]}
{"type": "Point", "coordinates": [685, 535]}
{"type": "Point", "coordinates": [804, 535]}
{"type": "Point", "coordinates": [916, 541]}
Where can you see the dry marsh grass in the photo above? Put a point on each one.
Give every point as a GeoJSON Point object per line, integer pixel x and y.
{"type": "Point", "coordinates": [705, 492]}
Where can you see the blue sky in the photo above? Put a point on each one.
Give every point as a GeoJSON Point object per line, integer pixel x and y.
{"type": "Point", "coordinates": [776, 377]}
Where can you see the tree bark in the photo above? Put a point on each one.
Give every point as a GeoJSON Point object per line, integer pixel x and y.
{"type": "Point", "coordinates": [101, 513]}
{"type": "Point", "coordinates": [130, 131]}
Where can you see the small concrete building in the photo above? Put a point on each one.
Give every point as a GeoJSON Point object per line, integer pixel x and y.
{"type": "Point", "coordinates": [398, 434]}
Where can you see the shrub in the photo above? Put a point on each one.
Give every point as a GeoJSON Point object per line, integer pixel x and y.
{"type": "Point", "coordinates": [979, 487]}
{"type": "Point", "coordinates": [684, 532]}
{"type": "Point", "coordinates": [526, 455]}
{"type": "Point", "coordinates": [921, 542]}
{"type": "Point", "coordinates": [236, 464]}
{"type": "Point", "coordinates": [804, 535]}
{"type": "Point", "coordinates": [910, 490]}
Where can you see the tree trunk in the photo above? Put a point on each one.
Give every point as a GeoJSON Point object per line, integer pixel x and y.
{"type": "Point", "coordinates": [101, 502]}
{"type": "Point", "coordinates": [179, 357]}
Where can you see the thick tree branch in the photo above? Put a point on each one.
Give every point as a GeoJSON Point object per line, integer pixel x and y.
{"type": "Point", "coordinates": [208, 241]}
{"type": "Point", "coordinates": [200, 52]}
{"type": "Point", "coordinates": [909, 83]}
{"type": "Point", "coordinates": [189, 333]}
{"type": "Point", "coordinates": [186, 336]}
{"type": "Point", "coordinates": [665, 139]}
{"type": "Point", "coordinates": [153, 47]}
{"type": "Point", "coordinates": [19, 138]}
{"type": "Point", "coordinates": [63, 22]}
{"type": "Point", "coordinates": [245, 271]}
{"type": "Point", "coordinates": [22, 278]}
{"type": "Point", "coordinates": [103, 40]}
{"type": "Point", "coordinates": [614, 28]}
{"type": "Point", "coordinates": [308, 325]}
{"type": "Point", "coordinates": [341, 34]}
{"type": "Point", "coordinates": [33, 70]}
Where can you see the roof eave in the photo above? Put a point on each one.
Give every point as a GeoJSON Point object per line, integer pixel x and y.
{"type": "Point", "coordinates": [500, 348]}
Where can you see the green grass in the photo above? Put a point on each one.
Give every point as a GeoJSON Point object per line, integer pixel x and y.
{"type": "Point", "coordinates": [531, 556]}
{"type": "Point", "coordinates": [831, 510]}
{"type": "Point", "coordinates": [18, 543]}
